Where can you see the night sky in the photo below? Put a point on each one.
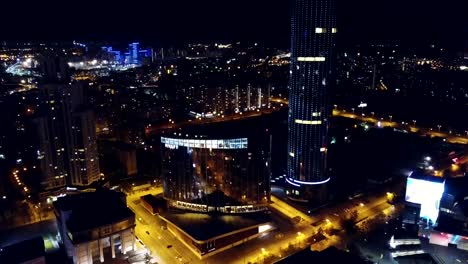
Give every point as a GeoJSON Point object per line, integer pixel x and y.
{"type": "Point", "coordinates": [178, 21]}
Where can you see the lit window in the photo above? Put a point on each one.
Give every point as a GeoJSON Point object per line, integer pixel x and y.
{"type": "Point", "coordinates": [334, 30]}
{"type": "Point", "coordinates": [291, 154]}
{"type": "Point", "coordinates": [173, 143]}
{"type": "Point", "coordinates": [316, 114]}
{"type": "Point", "coordinates": [323, 149]}
{"type": "Point", "coordinates": [320, 30]}
{"type": "Point", "coordinates": [308, 122]}
{"type": "Point", "coordinates": [310, 58]}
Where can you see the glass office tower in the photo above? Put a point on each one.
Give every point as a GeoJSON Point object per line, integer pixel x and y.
{"type": "Point", "coordinates": [212, 172]}
{"type": "Point", "coordinates": [313, 29]}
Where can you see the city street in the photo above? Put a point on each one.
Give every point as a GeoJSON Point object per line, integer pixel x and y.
{"type": "Point", "coordinates": [422, 131]}
{"type": "Point", "coordinates": [166, 248]}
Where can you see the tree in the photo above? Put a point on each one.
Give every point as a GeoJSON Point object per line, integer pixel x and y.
{"type": "Point", "coordinates": [147, 258]}
{"type": "Point", "coordinates": [348, 221]}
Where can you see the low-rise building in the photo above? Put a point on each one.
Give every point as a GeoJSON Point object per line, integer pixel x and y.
{"type": "Point", "coordinates": [93, 225]}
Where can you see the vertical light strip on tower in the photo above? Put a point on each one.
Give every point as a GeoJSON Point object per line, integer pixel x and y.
{"type": "Point", "coordinates": [312, 59]}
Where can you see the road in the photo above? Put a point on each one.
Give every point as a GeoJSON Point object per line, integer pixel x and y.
{"type": "Point", "coordinates": [376, 205]}
{"type": "Point", "coordinates": [422, 131]}
{"type": "Point", "coordinates": [283, 102]}
{"type": "Point", "coordinates": [158, 239]}
{"type": "Point", "coordinates": [289, 211]}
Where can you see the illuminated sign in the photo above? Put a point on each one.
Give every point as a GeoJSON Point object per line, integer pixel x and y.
{"type": "Point", "coordinates": [427, 194]}
{"type": "Point", "coordinates": [310, 59]}
{"type": "Point", "coordinates": [298, 183]}
{"type": "Point", "coordinates": [174, 143]}
{"type": "Point", "coordinates": [264, 228]}
{"type": "Point", "coordinates": [308, 122]}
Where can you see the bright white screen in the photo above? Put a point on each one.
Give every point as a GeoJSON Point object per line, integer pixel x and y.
{"type": "Point", "coordinates": [427, 194]}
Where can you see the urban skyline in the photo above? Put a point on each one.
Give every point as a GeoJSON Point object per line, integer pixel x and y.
{"type": "Point", "coordinates": [234, 132]}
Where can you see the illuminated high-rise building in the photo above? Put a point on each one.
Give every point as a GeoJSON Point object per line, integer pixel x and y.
{"type": "Point", "coordinates": [312, 58]}
{"type": "Point", "coordinates": [133, 50]}
{"type": "Point", "coordinates": [67, 137]}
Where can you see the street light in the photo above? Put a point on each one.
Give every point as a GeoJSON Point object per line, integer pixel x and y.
{"type": "Point", "coordinates": [300, 238]}
{"type": "Point", "coordinates": [264, 254]}
{"type": "Point", "coordinates": [439, 126]}
{"type": "Point", "coordinates": [414, 122]}
{"type": "Point", "coordinates": [390, 196]}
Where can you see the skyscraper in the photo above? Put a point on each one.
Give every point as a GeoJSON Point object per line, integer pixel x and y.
{"type": "Point", "coordinates": [67, 137]}
{"type": "Point", "coordinates": [313, 28]}
{"type": "Point", "coordinates": [133, 50]}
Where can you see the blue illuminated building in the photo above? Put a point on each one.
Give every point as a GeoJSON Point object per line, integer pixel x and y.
{"type": "Point", "coordinates": [134, 55]}
{"type": "Point", "coordinates": [313, 29]}
{"type": "Point", "coordinates": [115, 54]}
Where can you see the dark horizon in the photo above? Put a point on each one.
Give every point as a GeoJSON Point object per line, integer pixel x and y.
{"type": "Point", "coordinates": [180, 21]}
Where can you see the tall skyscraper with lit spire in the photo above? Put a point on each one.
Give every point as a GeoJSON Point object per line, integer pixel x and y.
{"type": "Point", "coordinates": [313, 31]}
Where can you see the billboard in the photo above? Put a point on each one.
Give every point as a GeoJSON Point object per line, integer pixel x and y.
{"type": "Point", "coordinates": [426, 193]}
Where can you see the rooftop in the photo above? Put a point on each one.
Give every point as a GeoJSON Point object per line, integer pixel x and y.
{"type": "Point", "coordinates": [252, 127]}
{"type": "Point", "coordinates": [204, 226]}
{"type": "Point", "coordinates": [421, 175]}
{"type": "Point", "coordinates": [93, 209]}
{"type": "Point", "coordinates": [419, 258]}
{"type": "Point", "coordinates": [458, 187]}
{"type": "Point", "coordinates": [408, 231]}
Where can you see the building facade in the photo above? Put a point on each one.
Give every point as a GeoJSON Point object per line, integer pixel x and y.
{"type": "Point", "coordinates": [208, 101]}
{"type": "Point", "coordinates": [215, 173]}
{"type": "Point", "coordinates": [67, 137]}
{"type": "Point", "coordinates": [311, 75]}
{"type": "Point", "coordinates": [107, 231]}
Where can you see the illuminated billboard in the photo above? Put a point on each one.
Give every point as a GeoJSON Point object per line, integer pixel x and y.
{"type": "Point", "coordinates": [426, 193]}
